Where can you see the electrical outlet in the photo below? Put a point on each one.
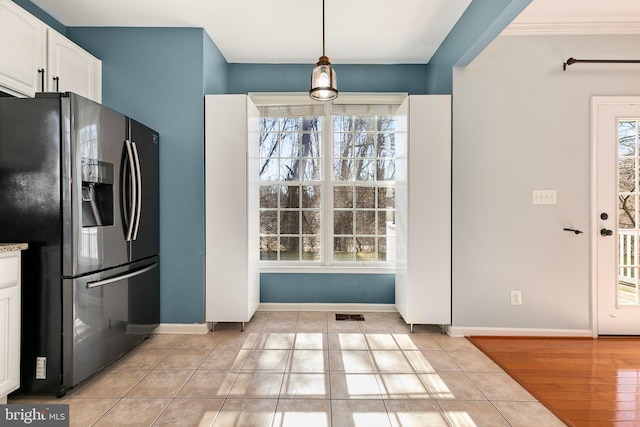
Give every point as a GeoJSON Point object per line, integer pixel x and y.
{"type": "Point", "coordinates": [516, 297]}
{"type": "Point", "coordinates": [41, 368]}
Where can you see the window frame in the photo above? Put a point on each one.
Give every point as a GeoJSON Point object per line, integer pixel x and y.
{"type": "Point", "coordinates": [327, 264]}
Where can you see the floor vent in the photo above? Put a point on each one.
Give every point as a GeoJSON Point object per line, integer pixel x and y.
{"type": "Point", "coordinates": [359, 317]}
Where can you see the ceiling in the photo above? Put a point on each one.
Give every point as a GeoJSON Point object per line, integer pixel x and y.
{"type": "Point", "coordinates": [357, 31]}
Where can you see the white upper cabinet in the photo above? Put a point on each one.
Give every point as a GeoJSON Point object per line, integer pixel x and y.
{"type": "Point", "coordinates": [36, 58]}
{"type": "Point", "coordinates": [72, 69]}
{"type": "Point", "coordinates": [22, 50]}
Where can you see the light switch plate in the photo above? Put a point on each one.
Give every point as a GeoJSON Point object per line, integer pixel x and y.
{"type": "Point", "coordinates": [543, 197]}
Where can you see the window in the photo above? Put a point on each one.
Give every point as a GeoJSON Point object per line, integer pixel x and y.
{"type": "Point", "coordinates": [290, 186]}
{"type": "Point", "coordinates": [327, 184]}
{"type": "Point", "coordinates": [363, 187]}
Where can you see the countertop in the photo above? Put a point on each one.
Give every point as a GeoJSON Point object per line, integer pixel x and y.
{"type": "Point", "coordinates": [10, 247]}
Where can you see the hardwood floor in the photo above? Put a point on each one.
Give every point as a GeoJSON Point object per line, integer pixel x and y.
{"type": "Point", "coordinates": [584, 382]}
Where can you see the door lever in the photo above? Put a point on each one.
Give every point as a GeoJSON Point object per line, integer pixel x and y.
{"type": "Point", "coordinates": [605, 232]}
{"type": "Point", "coordinates": [571, 229]}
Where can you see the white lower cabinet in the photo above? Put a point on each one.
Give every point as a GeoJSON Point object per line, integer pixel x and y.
{"type": "Point", "coordinates": [423, 212]}
{"type": "Point", "coordinates": [231, 205]}
{"type": "Point", "coordinates": [9, 323]}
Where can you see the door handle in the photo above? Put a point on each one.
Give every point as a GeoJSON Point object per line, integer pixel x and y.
{"type": "Point", "coordinates": [129, 275]}
{"type": "Point", "coordinates": [138, 177]}
{"type": "Point", "coordinates": [134, 189]}
{"type": "Point", "coordinates": [605, 232]}
{"type": "Point", "coordinates": [41, 72]}
{"type": "Point", "coordinates": [573, 230]}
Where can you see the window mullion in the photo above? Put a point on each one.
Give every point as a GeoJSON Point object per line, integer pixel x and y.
{"type": "Point", "coordinates": [327, 186]}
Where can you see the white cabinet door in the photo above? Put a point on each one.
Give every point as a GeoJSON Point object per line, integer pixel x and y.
{"type": "Point", "coordinates": [232, 234]}
{"type": "Point", "coordinates": [9, 322]}
{"type": "Point", "coordinates": [22, 50]}
{"type": "Point", "coordinates": [423, 213]}
{"type": "Point", "coordinates": [72, 69]}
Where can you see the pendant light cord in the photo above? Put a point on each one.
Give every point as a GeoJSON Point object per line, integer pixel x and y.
{"type": "Point", "coordinates": [323, 28]}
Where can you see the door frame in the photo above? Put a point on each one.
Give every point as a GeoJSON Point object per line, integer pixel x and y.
{"type": "Point", "coordinates": [596, 102]}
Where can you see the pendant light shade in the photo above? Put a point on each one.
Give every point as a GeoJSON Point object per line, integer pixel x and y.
{"type": "Point", "coordinates": [323, 81]}
{"type": "Point", "coordinates": [324, 85]}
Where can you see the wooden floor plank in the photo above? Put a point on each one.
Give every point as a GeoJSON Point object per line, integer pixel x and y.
{"type": "Point", "coordinates": [583, 381]}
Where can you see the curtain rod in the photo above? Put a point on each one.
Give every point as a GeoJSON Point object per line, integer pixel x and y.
{"type": "Point", "coordinates": [571, 61]}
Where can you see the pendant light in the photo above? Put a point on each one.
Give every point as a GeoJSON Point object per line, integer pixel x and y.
{"type": "Point", "coordinates": [323, 77]}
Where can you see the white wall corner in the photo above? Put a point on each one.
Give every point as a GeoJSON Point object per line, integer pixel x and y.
{"type": "Point", "coordinates": [183, 328]}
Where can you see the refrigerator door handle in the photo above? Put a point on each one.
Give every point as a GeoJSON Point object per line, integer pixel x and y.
{"type": "Point", "coordinates": [135, 273]}
{"type": "Point", "coordinates": [134, 186]}
{"type": "Point", "coordinates": [139, 193]}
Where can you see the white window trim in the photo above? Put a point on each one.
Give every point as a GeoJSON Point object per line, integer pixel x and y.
{"type": "Point", "coordinates": [329, 267]}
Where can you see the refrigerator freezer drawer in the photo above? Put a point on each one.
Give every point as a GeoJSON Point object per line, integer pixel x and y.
{"type": "Point", "coordinates": [105, 315]}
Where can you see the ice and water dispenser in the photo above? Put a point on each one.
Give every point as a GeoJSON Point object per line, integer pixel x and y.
{"type": "Point", "coordinates": [97, 193]}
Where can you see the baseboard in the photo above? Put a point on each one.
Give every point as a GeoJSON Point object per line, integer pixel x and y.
{"type": "Point", "coordinates": [469, 331]}
{"type": "Point", "coordinates": [275, 306]}
{"type": "Point", "coordinates": [183, 328]}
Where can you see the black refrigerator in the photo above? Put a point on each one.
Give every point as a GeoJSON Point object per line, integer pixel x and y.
{"type": "Point", "coordinates": [79, 184]}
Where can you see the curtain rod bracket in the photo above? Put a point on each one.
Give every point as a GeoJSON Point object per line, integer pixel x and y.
{"type": "Point", "coordinates": [569, 62]}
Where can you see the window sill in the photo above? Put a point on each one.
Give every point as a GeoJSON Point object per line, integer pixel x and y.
{"type": "Point", "coordinates": [328, 269]}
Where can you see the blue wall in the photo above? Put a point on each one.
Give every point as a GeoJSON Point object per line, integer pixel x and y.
{"type": "Point", "coordinates": [327, 288]}
{"type": "Point", "coordinates": [410, 78]}
{"type": "Point", "coordinates": [159, 76]}
{"type": "Point", "coordinates": [156, 75]}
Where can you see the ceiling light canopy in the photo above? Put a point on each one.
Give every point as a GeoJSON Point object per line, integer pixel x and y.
{"type": "Point", "coordinates": [323, 78]}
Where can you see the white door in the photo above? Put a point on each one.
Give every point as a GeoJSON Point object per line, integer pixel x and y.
{"type": "Point", "coordinates": [615, 230]}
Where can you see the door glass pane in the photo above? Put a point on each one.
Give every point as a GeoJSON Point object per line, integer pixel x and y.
{"type": "Point", "coordinates": [627, 138]}
{"type": "Point", "coordinates": [627, 212]}
{"type": "Point", "coordinates": [627, 174]}
{"type": "Point", "coordinates": [627, 287]}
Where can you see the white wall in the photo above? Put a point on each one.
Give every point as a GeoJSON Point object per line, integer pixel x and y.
{"type": "Point", "coordinates": [521, 123]}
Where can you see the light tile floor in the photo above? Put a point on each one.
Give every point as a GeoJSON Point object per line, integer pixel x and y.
{"type": "Point", "coordinates": [304, 369]}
